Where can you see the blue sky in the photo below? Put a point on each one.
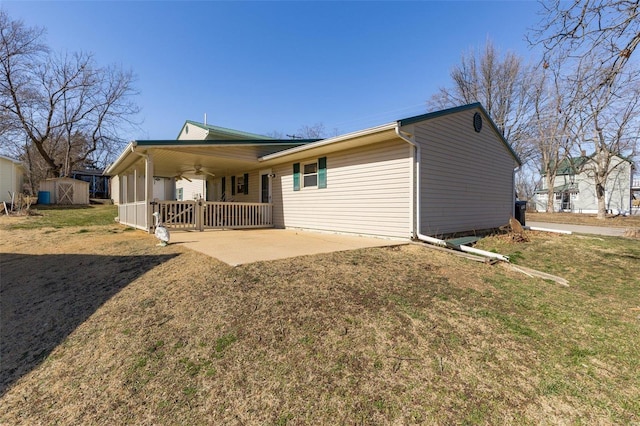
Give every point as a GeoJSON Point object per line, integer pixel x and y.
{"type": "Point", "coordinates": [276, 66]}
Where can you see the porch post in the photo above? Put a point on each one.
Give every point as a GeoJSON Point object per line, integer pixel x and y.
{"type": "Point", "coordinates": [135, 186]}
{"type": "Point", "coordinates": [148, 190]}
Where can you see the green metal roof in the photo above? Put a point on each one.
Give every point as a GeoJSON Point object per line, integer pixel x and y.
{"type": "Point", "coordinates": [567, 187]}
{"type": "Point", "coordinates": [571, 166]}
{"type": "Point", "coordinates": [223, 132]}
{"type": "Point", "coordinates": [444, 112]}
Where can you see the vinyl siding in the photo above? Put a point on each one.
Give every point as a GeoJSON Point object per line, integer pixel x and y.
{"type": "Point", "coordinates": [190, 189]}
{"type": "Point", "coordinates": [195, 133]}
{"type": "Point", "coordinates": [252, 197]}
{"type": "Point", "coordinates": [466, 178]}
{"type": "Point", "coordinates": [11, 179]}
{"type": "Point", "coordinates": [368, 193]}
{"type": "Point", "coordinates": [114, 188]}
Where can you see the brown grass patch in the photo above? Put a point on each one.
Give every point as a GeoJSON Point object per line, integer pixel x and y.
{"type": "Point", "coordinates": [632, 233]}
{"type": "Point", "coordinates": [110, 329]}
{"type": "Point", "coordinates": [585, 219]}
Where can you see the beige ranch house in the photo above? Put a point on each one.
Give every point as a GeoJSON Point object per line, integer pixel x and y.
{"type": "Point", "coordinates": [441, 173]}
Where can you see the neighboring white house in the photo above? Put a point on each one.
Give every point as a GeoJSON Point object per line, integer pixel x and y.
{"type": "Point", "coordinates": [575, 191]}
{"type": "Point", "coordinates": [11, 178]}
{"type": "Point", "coordinates": [445, 172]}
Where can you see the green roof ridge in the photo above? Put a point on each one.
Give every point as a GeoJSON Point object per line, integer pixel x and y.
{"type": "Point", "coordinates": [224, 130]}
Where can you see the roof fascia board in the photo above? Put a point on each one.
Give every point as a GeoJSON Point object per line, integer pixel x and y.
{"type": "Point", "coordinates": [13, 160]}
{"type": "Point", "coordinates": [476, 105]}
{"type": "Point", "coordinates": [224, 142]}
{"type": "Point", "coordinates": [131, 146]}
{"type": "Point", "coordinates": [329, 141]}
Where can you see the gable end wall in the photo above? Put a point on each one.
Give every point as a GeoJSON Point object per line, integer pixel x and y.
{"type": "Point", "coordinates": [466, 178]}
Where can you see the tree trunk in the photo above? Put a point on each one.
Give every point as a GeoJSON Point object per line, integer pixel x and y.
{"type": "Point", "coordinates": [602, 207]}
{"type": "Point", "coordinates": [551, 197]}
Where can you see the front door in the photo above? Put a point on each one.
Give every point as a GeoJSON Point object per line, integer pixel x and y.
{"type": "Point", "coordinates": [265, 186]}
{"type": "Point", "coordinates": [566, 201]}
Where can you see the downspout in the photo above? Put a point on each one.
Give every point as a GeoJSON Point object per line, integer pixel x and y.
{"type": "Point", "coordinates": [416, 231]}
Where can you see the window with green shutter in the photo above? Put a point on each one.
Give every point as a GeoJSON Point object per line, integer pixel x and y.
{"type": "Point", "coordinates": [310, 175]}
{"type": "Point", "coordinates": [322, 172]}
{"type": "Point", "coordinates": [296, 176]}
{"type": "Point", "coordinates": [233, 185]}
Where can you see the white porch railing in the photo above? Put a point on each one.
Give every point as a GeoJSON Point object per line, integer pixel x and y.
{"type": "Point", "coordinates": [178, 214]}
{"type": "Point", "coordinates": [237, 215]}
{"type": "Point", "coordinates": [200, 215]}
{"type": "Point", "coordinates": [133, 214]}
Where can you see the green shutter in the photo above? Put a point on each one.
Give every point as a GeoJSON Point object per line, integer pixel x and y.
{"type": "Point", "coordinates": [246, 183]}
{"type": "Point", "coordinates": [296, 176]}
{"type": "Point", "coordinates": [233, 185]}
{"type": "Point", "coordinates": [322, 172]}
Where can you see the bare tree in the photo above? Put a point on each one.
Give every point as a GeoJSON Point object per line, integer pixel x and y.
{"type": "Point", "coordinates": [316, 131]}
{"type": "Point", "coordinates": [595, 41]}
{"type": "Point", "coordinates": [606, 29]}
{"type": "Point", "coordinates": [554, 125]}
{"type": "Point", "coordinates": [616, 129]}
{"type": "Point", "coordinates": [502, 84]}
{"type": "Point", "coordinates": [68, 108]}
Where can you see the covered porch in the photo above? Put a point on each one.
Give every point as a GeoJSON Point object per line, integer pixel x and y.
{"type": "Point", "coordinates": [205, 184]}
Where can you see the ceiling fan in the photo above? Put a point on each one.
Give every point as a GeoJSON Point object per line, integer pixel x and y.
{"type": "Point", "coordinates": [197, 170]}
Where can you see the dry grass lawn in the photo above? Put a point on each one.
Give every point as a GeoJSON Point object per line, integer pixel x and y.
{"type": "Point", "coordinates": [585, 219]}
{"type": "Point", "coordinates": [100, 326]}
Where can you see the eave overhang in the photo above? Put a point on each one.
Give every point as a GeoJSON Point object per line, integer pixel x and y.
{"type": "Point", "coordinates": [325, 146]}
{"type": "Point", "coordinates": [173, 157]}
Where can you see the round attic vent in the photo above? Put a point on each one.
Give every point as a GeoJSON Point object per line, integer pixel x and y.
{"type": "Point", "coordinates": [186, 129]}
{"type": "Point", "coordinates": [477, 122]}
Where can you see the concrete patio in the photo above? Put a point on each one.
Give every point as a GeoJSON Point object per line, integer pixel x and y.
{"type": "Point", "coordinates": [237, 247]}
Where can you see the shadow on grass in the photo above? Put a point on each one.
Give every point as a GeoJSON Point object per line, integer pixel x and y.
{"type": "Point", "coordinates": [44, 298]}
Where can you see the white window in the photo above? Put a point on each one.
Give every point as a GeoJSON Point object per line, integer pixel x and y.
{"type": "Point", "coordinates": [310, 175]}
{"type": "Point", "coordinates": [239, 184]}
{"type": "Point", "coordinates": [179, 194]}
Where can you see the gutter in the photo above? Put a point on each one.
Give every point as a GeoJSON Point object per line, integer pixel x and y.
{"type": "Point", "coordinates": [416, 231]}
{"type": "Point", "coordinates": [131, 147]}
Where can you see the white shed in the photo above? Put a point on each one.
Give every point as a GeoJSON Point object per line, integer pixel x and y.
{"type": "Point", "coordinates": [11, 178]}
{"type": "Point", "coordinates": [65, 190]}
